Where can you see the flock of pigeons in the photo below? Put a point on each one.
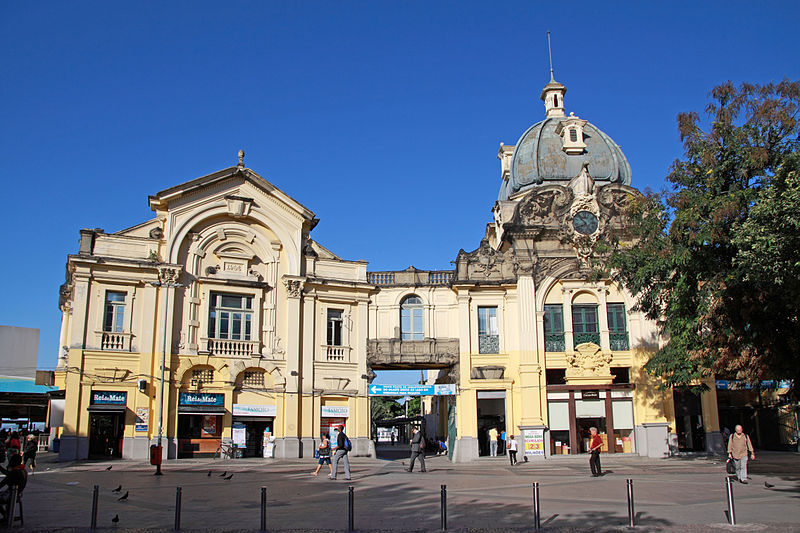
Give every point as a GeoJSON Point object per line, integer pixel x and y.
{"type": "Point", "coordinates": [124, 497]}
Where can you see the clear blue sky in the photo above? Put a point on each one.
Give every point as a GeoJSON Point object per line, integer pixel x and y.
{"type": "Point", "coordinates": [384, 118]}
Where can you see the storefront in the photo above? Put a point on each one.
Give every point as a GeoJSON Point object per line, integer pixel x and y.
{"type": "Point", "coordinates": [107, 423]}
{"type": "Point", "coordinates": [333, 416]}
{"type": "Point", "coordinates": [572, 411]}
{"type": "Point", "coordinates": [253, 426]}
{"type": "Point", "coordinates": [199, 424]}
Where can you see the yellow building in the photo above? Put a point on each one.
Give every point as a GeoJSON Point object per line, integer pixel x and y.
{"type": "Point", "coordinates": [271, 338]}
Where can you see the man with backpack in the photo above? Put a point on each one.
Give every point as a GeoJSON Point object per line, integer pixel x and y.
{"type": "Point", "coordinates": [343, 447]}
{"type": "Point", "coordinates": [417, 450]}
{"type": "Point", "coordinates": [739, 447]}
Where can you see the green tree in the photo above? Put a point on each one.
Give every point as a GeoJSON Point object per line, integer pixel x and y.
{"type": "Point", "coordinates": [716, 260]}
{"type": "Point", "coordinates": [414, 405]}
{"type": "Point", "coordinates": [385, 408]}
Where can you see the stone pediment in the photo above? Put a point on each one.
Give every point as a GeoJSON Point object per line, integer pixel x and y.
{"type": "Point", "coordinates": [485, 264]}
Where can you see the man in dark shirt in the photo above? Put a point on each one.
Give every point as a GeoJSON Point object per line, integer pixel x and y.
{"type": "Point", "coordinates": [341, 455]}
{"type": "Point", "coordinates": [417, 450]}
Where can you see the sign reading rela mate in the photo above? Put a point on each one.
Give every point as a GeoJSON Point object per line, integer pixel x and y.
{"type": "Point", "coordinates": [412, 390]}
{"type": "Point", "coordinates": [201, 398]}
{"type": "Point", "coordinates": [109, 398]}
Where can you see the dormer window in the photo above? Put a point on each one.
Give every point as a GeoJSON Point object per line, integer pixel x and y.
{"type": "Point", "coordinates": [571, 131]}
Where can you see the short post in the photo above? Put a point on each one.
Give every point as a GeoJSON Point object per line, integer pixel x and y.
{"type": "Point", "coordinates": [731, 509]}
{"type": "Point", "coordinates": [350, 497]}
{"type": "Point", "coordinates": [631, 511]}
{"type": "Point", "coordinates": [444, 507]}
{"type": "Point", "coordinates": [263, 509]}
{"type": "Point", "coordinates": [12, 505]}
{"type": "Point", "coordinates": [536, 514]}
{"type": "Point", "coordinates": [178, 508]}
{"type": "Point", "coordinates": [95, 494]}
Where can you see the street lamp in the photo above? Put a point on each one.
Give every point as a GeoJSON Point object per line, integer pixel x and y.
{"type": "Point", "coordinates": [165, 285]}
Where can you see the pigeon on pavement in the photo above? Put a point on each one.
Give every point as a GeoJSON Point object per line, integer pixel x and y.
{"type": "Point", "coordinates": [115, 520]}
{"type": "Point", "coordinates": [229, 477]}
{"type": "Point", "coordinates": [209, 473]}
{"type": "Point", "coordinates": [109, 467]}
{"type": "Point", "coordinates": [118, 489]}
{"type": "Point", "coordinates": [124, 497]}
{"type": "Point", "coordinates": [225, 473]}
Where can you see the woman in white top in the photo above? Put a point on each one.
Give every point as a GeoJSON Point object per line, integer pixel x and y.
{"type": "Point", "coordinates": [511, 446]}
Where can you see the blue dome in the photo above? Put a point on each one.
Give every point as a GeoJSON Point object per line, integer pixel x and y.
{"type": "Point", "coordinates": [539, 158]}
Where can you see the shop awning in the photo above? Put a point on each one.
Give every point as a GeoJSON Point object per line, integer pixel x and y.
{"type": "Point", "coordinates": [106, 408]}
{"type": "Point", "coordinates": [201, 410]}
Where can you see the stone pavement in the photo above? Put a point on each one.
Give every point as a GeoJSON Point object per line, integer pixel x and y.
{"type": "Point", "coordinates": [677, 494]}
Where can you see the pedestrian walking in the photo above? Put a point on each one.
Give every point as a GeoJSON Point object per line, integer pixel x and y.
{"type": "Point", "coordinates": [493, 442]}
{"type": "Point", "coordinates": [324, 453]}
{"type": "Point", "coordinates": [29, 453]}
{"type": "Point", "coordinates": [512, 446]}
{"type": "Point", "coordinates": [417, 450]}
{"type": "Point", "coordinates": [502, 446]}
{"type": "Point", "coordinates": [739, 447]}
{"type": "Point", "coordinates": [594, 449]}
{"type": "Point", "coordinates": [343, 447]}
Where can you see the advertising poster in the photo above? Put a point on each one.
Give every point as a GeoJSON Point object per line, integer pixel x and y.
{"type": "Point", "coordinates": [210, 425]}
{"type": "Point", "coordinates": [239, 435]}
{"type": "Point", "coordinates": [142, 418]}
{"type": "Point", "coordinates": [534, 442]}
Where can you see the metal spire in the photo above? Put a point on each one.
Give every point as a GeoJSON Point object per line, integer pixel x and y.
{"type": "Point", "coordinates": [550, 53]}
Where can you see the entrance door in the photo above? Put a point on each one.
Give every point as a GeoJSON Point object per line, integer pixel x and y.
{"type": "Point", "coordinates": [584, 435]}
{"type": "Point", "coordinates": [105, 435]}
{"type": "Point", "coordinates": [255, 437]}
{"type": "Point", "coordinates": [491, 414]}
{"type": "Point", "coordinates": [689, 421]}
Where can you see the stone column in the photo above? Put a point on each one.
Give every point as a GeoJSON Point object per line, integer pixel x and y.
{"type": "Point", "coordinates": [466, 445]}
{"type": "Point", "coordinates": [289, 446]}
{"type": "Point", "coordinates": [530, 366]}
{"type": "Point", "coordinates": [364, 445]}
{"type": "Point", "coordinates": [307, 374]}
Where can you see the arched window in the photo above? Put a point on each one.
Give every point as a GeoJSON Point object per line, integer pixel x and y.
{"type": "Point", "coordinates": [411, 318]}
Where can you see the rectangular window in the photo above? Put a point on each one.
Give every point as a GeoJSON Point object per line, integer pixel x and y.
{"type": "Point", "coordinates": [334, 327]}
{"type": "Point", "coordinates": [553, 318]}
{"type": "Point", "coordinates": [616, 318]}
{"type": "Point", "coordinates": [253, 379]}
{"type": "Point", "coordinates": [584, 319]}
{"type": "Point", "coordinates": [488, 334]}
{"type": "Point", "coordinates": [115, 312]}
{"type": "Point", "coordinates": [230, 317]}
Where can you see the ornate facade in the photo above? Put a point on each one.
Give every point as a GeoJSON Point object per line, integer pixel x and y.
{"type": "Point", "coordinates": [268, 338]}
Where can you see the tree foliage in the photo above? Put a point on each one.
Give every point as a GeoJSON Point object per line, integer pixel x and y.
{"type": "Point", "coordinates": [385, 408]}
{"type": "Point", "coordinates": [716, 260]}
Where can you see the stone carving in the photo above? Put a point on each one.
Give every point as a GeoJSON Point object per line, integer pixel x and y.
{"type": "Point", "coordinates": [168, 275]}
{"type": "Point", "coordinates": [156, 233]}
{"type": "Point", "coordinates": [554, 266]}
{"type": "Point", "coordinates": [294, 287]}
{"type": "Point", "coordinates": [485, 263]}
{"type": "Point", "coordinates": [488, 372]}
{"type": "Point", "coordinates": [543, 206]}
{"type": "Point", "coordinates": [588, 360]}
{"type": "Point", "coordinates": [238, 206]}
{"type": "Point", "coordinates": [240, 164]}
{"type": "Point", "coordinates": [276, 346]}
{"type": "Point", "coordinates": [614, 199]}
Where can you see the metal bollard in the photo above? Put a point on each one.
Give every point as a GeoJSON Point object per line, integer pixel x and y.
{"type": "Point", "coordinates": [12, 505]}
{"type": "Point", "coordinates": [731, 510]}
{"type": "Point", "coordinates": [178, 509]}
{"type": "Point", "coordinates": [631, 511]}
{"type": "Point", "coordinates": [95, 494]}
{"type": "Point", "coordinates": [444, 507]}
{"type": "Point", "coordinates": [263, 509]}
{"type": "Point", "coordinates": [536, 514]}
{"type": "Point", "coordinates": [350, 526]}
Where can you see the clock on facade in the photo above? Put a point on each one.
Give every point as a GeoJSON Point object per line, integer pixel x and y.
{"type": "Point", "coordinates": [584, 222]}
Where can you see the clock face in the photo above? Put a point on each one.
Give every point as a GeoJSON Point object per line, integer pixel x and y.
{"type": "Point", "coordinates": [584, 222]}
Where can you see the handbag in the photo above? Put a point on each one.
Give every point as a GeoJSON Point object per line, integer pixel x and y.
{"type": "Point", "coordinates": [730, 467]}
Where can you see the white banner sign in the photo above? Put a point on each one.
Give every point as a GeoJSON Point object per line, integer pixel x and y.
{"type": "Point", "coordinates": [243, 409]}
{"type": "Point", "coordinates": [335, 411]}
{"type": "Point", "coordinates": [533, 442]}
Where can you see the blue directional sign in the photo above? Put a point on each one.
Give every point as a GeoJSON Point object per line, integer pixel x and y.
{"type": "Point", "coordinates": [412, 390]}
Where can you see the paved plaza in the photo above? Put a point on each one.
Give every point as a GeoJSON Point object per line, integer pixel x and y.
{"type": "Point", "coordinates": [678, 494]}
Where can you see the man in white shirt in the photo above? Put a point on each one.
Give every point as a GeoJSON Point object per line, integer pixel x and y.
{"type": "Point", "coordinates": [511, 445]}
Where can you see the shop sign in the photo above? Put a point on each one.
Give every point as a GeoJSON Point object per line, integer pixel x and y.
{"type": "Point", "coordinates": [109, 398]}
{"type": "Point", "coordinates": [724, 384]}
{"type": "Point", "coordinates": [533, 442]}
{"type": "Point", "coordinates": [243, 409]}
{"type": "Point", "coordinates": [142, 418]}
{"type": "Point", "coordinates": [590, 395]}
{"type": "Point", "coordinates": [203, 399]}
{"type": "Point", "coordinates": [335, 411]}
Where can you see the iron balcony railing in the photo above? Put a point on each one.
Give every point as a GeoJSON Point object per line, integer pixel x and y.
{"type": "Point", "coordinates": [488, 343]}
{"type": "Point", "coordinates": [619, 341]}
{"type": "Point", "coordinates": [580, 338]}
{"type": "Point", "coordinates": [554, 342]}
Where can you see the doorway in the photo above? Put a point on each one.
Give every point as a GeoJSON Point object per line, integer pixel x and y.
{"type": "Point", "coordinates": [689, 421]}
{"type": "Point", "coordinates": [105, 435]}
{"type": "Point", "coordinates": [491, 407]}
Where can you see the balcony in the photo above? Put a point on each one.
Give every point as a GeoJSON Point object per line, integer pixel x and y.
{"type": "Point", "coordinates": [580, 338]}
{"type": "Point", "coordinates": [411, 277]}
{"type": "Point", "coordinates": [488, 343]}
{"type": "Point", "coordinates": [110, 341]}
{"type": "Point", "coordinates": [336, 354]}
{"type": "Point", "coordinates": [619, 341]}
{"type": "Point", "coordinates": [230, 347]}
{"type": "Point", "coordinates": [554, 342]}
